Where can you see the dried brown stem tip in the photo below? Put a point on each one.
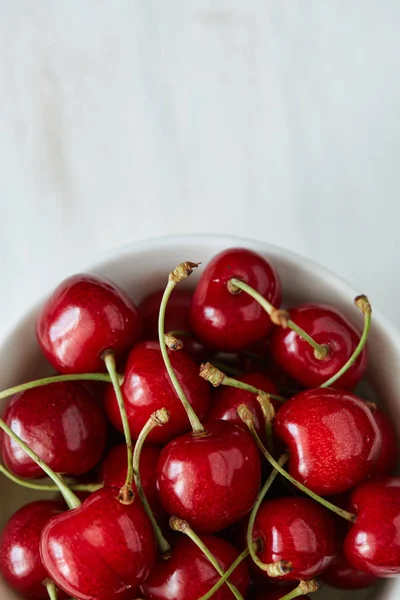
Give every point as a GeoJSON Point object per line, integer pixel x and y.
{"type": "Point", "coordinates": [160, 417]}
{"type": "Point", "coordinates": [182, 271]}
{"type": "Point", "coordinates": [172, 342]}
{"type": "Point", "coordinates": [371, 405]}
{"type": "Point", "coordinates": [363, 304]}
{"type": "Point", "coordinates": [126, 495]}
{"type": "Point", "coordinates": [232, 288]}
{"type": "Point", "coordinates": [277, 569]}
{"type": "Point", "coordinates": [309, 587]}
{"type": "Point", "coordinates": [267, 408]}
{"type": "Point", "coordinates": [178, 524]}
{"type": "Point", "coordinates": [280, 317]}
{"type": "Point", "coordinates": [212, 374]}
{"type": "Point", "coordinates": [245, 414]}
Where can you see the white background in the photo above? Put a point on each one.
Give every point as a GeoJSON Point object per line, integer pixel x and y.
{"type": "Point", "coordinates": [124, 119]}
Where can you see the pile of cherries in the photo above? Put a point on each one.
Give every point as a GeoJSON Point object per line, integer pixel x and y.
{"type": "Point", "coordinates": [277, 481]}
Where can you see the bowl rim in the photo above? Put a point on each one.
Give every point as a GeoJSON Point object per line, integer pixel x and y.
{"type": "Point", "coordinates": [108, 257]}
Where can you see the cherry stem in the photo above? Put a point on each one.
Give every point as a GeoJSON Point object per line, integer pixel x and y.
{"type": "Point", "coordinates": [157, 419]}
{"type": "Point", "coordinates": [269, 415]}
{"type": "Point", "coordinates": [181, 272]}
{"type": "Point", "coordinates": [304, 587]}
{"type": "Point", "coordinates": [216, 377]}
{"type": "Point", "coordinates": [184, 527]}
{"type": "Point", "coordinates": [43, 487]}
{"type": "Point", "coordinates": [363, 304]}
{"type": "Point", "coordinates": [247, 418]}
{"type": "Point", "coordinates": [226, 575]}
{"type": "Point", "coordinates": [69, 497]}
{"type": "Point", "coordinates": [126, 495]}
{"type": "Point", "coordinates": [281, 567]}
{"type": "Point", "coordinates": [51, 589]}
{"type": "Point", "coordinates": [56, 379]}
{"type": "Point", "coordinates": [278, 317]}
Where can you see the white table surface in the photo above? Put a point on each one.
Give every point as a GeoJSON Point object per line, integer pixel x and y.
{"type": "Point", "coordinates": [125, 119]}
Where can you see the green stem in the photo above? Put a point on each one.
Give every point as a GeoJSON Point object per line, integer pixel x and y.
{"type": "Point", "coordinates": [126, 494]}
{"type": "Point", "coordinates": [281, 567]}
{"type": "Point", "coordinates": [227, 368]}
{"type": "Point", "coordinates": [69, 497]}
{"type": "Point", "coordinates": [321, 350]}
{"type": "Point", "coordinates": [247, 417]}
{"type": "Point", "coordinates": [54, 379]}
{"type": "Point", "coordinates": [226, 575]}
{"type": "Point", "coordinates": [179, 273]}
{"type": "Point", "coordinates": [43, 487]}
{"type": "Point", "coordinates": [51, 589]}
{"type": "Point", "coordinates": [304, 587]}
{"type": "Point", "coordinates": [158, 418]}
{"type": "Point", "coordinates": [216, 377]}
{"type": "Point", "coordinates": [184, 527]}
{"type": "Point", "coordinates": [364, 305]}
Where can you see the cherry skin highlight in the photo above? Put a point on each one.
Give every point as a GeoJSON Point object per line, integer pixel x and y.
{"type": "Point", "coordinates": [20, 562]}
{"type": "Point", "coordinates": [84, 317]}
{"type": "Point", "coordinates": [147, 388]}
{"type": "Point", "coordinates": [326, 326]}
{"type": "Point", "coordinates": [332, 438]}
{"type": "Point", "coordinates": [298, 530]}
{"type": "Point", "coordinates": [102, 550]}
{"type": "Point", "coordinates": [210, 480]}
{"type": "Point", "coordinates": [233, 322]}
{"type": "Point", "coordinates": [188, 574]}
{"type": "Point", "coordinates": [227, 399]}
{"type": "Point", "coordinates": [61, 423]}
{"type": "Point", "coordinates": [113, 472]}
{"type": "Point", "coordinates": [373, 542]}
{"type": "Point", "coordinates": [388, 456]}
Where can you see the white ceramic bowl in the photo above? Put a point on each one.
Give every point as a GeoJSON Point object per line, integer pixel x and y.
{"type": "Point", "coordinates": [143, 267]}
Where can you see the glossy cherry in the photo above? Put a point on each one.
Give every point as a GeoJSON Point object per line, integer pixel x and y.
{"type": "Point", "coordinates": [341, 575]}
{"type": "Point", "coordinates": [373, 542]}
{"type": "Point", "coordinates": [147, 388]}
{"type": "Point", "coordinates": [332, 438]}
{"type": "Point", "coordinates": [212, 479]}
{"type": "Point", "coordinates": [389, 453]}
{"type": "Point", "coordinates": [326, 326]}
{"type": "Point", "coordinates": [85, 316]}
{"type": "Point", "coordinates": [20, 562]}
{"type": "Point", "coordinates": [102, 550]}
{"type": "Point", "coordinates": [188, 574]}
{"type": "Point", "coordinates": [298, 530]}
{"type": "Point", "coordinates": [113, 472]}
{"type": "Point", "coordinates": [233, 322]}
{"type": "Point", "coordinates": [226, 400]}
{"type": "Point", "coordinates": [61, 423]}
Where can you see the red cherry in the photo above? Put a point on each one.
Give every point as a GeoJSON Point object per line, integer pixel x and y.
{"type": "Point", "coordinates": [20, 562]}
{"type": "Point", "coordinates": [341, 575]}
{"type": "Point", "coordinates": [101, 550]}
{"type": "Point", "coordinates": [373, 542]}
{"type": "Point", "coordinates": [389, 453]}
{"type": "Point", "coordinates": [113, 472]}
{"type": "Point", "coordinates": [212, 479]}
{"type": "Point", "coordinates": [188, 574]}
{"type": "Point", "coordinates": [147, 388]}
{"type": "Point", "coordinates": [326, 326]}
{"type": "Point", "coordinates": [226, 400]}
{"type": "Point", "coordinates": [61, 423]}
{"type": "Point", "coordinates": [233, 322]}
{"type": "Point", "coordinates": [84, 317]}
{"type": "Point", "coordinates": [332, 438]}
{"type": "Point", "coordinates": [297, 530]}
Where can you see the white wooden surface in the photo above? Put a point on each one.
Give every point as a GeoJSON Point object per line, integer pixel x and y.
{"type": "Point", "coordinates": [123, 119]}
